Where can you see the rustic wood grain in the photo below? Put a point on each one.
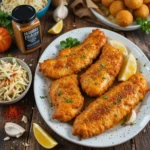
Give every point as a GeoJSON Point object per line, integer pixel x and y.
{"type": "Point", "coordinates": [140, 142]}
{"type": "Point", "coordinates": [26, 103]}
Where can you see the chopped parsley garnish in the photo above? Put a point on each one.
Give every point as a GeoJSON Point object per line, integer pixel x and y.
{"type": "Point", "coordinates": [59, 93]}
{"type": "Point", "coordinates": [103, 78]}
{"type": "Point", "coordinates": [68, 101]}
{"type": "Point", "coordinates": [87, 45]}
{"type": "Point", "coordinates": [117, 102]}
{"type": "Point", "coordinates": [144, 65]}
{"type": "Point", "coordinates": [99, 70]}
{"type": "Point", "coordinates": [96, 83]}
{"type": "Point", "coordinates": [105, 97]}
{"type": "Point", "coordinates": [69, 42]}
{"type": "Point", "coordinates": [83, 56]}
{"type": "Point", "coordinates": [115, 115]}
{"type": "Point", "coordinates": [136, 58]}
{"type": "Point", "coordinates": [42, 97]}
{"type": "Point", "coordinates": [132, 124]}
{"type": "Point", "coordinates": [87, 119]}
{"type": "Point", "coordinates": [102, 65]}
{"type": "Point", "coordinates": [9, 55]}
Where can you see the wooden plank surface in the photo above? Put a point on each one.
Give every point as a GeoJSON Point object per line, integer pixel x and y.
{"type": "Point", "coordinates": [29, 109]}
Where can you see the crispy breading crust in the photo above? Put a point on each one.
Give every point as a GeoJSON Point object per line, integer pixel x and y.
{"type": "Point", "coordinates": [110, 108]}
{"type": "Point", "coordinates": [72, 60]}
{"type": "Point", "coordinates": [96, 80]}
{"type": "Point", "coordinates": [66, 98]}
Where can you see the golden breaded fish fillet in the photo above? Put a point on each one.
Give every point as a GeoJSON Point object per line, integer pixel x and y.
{"type": "Point", "coordinates": [72, 60]}
{"type": "Point", "coordinates": [110, 108]}
{"type": "Point", "coordinates": [66, 98]}
{"type": "Point", "coordinates": [96, 80]}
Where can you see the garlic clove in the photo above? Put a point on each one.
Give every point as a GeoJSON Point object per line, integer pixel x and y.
{"type": "Point", "coordinates": [6, 138]}
{"type": "Point", "coordinates": [25, 144]}
{"type": "Point", "coordinates": [131, 118]}
{"type": "Point", "coordinates": [60, 12]}
{"type": "Point", "coordinates": [13, 129]}
{"type": "Point", "coordinates": [24, 119]}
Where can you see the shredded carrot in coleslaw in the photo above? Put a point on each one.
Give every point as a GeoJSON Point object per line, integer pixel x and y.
{"type": "Point", "coordinates": [13, 80]}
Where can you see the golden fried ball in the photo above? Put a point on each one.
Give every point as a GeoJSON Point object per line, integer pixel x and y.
{"type": "Point", "coordinates": [124, 18]}
{"type": "Point", "coordinates": [107, 3]}
{"type": "Point", "coordinates": [115, 7]}
{"type": "Point", "coordinates": [141, 12]}
{"type": "Point", "coordinates": [146, 1]}
{"type": "Point", "coordinates": [133, 4]}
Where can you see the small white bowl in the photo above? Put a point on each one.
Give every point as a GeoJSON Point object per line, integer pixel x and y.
{"type": "Point", "coordinates": [24, 65]}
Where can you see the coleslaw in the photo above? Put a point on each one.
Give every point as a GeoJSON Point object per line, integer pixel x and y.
{"type": "Point", "coordinates": [13, 80]}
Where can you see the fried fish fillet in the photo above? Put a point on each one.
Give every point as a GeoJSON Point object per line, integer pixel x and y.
{"type": "Point", "coordinates": [66, 98]}
{"type": "Point", "coordinates": [96, 80]}
{"type": "Point", "coordinates": [110, 108]}
{"type": "Point", "coordinates": [72, 60]}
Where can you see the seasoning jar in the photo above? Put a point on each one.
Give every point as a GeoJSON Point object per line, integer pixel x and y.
{"type": "Point", "coordinates": [26, 28]}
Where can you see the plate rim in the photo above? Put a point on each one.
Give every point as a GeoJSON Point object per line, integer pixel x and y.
{"type": "Point", "coordinates": [111, 24]}
{"type": "Point", "coordinates": [61, 135]}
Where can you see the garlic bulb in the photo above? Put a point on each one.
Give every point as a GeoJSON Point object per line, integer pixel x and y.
{"type": "Point", "coordinates": [14, 130]}
{"type": "Point", "coordinates": [60, 12]}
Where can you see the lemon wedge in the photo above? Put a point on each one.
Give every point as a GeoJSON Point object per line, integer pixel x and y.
{"type": "Point", "coordinates": [119, 46]}
{"type": "Point", "coordinates": [56, 28]}
{"type": "Point", "coordinates": [131, 118]}
{"type": "Point", "coordinates": [128, 69]}
{"type": "Point", "coordinates": [43, 138]}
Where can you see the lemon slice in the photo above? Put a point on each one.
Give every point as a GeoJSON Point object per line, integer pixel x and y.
{"type": "Point", "coordinates": [131, 118]}
{"type": "Point", "coordinates": [128, 69]}
{"type": "Point", "coordinates": [119, 46]}
{"type": "Point", "coordinates": [43, 138]}
{"type": "Point", "coordinates": [56, 28]}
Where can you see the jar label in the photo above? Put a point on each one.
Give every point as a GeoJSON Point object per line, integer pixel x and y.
{"type": "Point", "coordinates": [32, 38]}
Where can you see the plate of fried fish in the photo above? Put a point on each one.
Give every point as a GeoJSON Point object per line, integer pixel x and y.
{"type": "Point", "coordinates": [78, 93]}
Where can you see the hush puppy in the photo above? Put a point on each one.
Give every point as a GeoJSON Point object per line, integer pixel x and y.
{"type": "Point", "coordinates": [115, 7]}
{"type": "Point", "coordinates": [133, 4]}
{"type": "Point", "coordinates": [107, 3]}
{"type": "Point", "coordinates": [141, 12]}
{"type": "Point", "coordinates": [124, 18]}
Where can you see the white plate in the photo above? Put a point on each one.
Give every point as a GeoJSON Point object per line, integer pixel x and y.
{"type": "Point", "coordinates": [114, 136]}
{"type": "Point", "coordinates": [113, 25]}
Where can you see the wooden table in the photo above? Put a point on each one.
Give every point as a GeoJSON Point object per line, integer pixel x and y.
{"type": "Point", "coordinates": [29, 108]}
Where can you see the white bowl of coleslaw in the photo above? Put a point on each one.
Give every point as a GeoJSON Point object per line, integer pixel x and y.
{"type": "Point", "coordinates": [15, 79]}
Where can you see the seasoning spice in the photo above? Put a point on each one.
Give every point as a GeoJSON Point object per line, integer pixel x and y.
{"type": "Point", "coordinates": [13, 113]}
{"type": "Point", "coordinates": [26, 28]}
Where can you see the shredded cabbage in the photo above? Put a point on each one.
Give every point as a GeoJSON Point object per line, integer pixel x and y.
{"type": "Point", "coordinates": [13, 80]}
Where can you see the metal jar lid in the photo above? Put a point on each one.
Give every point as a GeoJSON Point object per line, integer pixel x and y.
{"type": "Point", "coordinates": [23, 14]}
